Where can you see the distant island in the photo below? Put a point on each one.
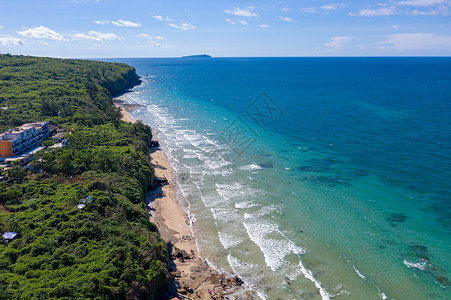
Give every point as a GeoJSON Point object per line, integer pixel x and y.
{"type": "Point", "coordinates": [197, 56]}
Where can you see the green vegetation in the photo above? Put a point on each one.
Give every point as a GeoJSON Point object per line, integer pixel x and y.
{"type": "Point", "coordinates": [108, 249]}
{"type": "Point", "coordinates": [31, 87]}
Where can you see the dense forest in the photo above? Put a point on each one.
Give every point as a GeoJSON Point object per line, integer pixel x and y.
{"type": "Point", "coordinates": [108, 249]}
{"type": "Point", "coordinates": [32, 87]}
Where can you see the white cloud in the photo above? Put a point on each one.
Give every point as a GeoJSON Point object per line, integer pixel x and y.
{"type": "Point", "coordinates": [333, 6]}
{"type": "Point", "coordinates": [338, 41]}
{"type": "Point", "coordinates": [443, 10]}
{"type": "Point", "coordinates": [155, 44]}
{"type": "Point", "coordinates": [230, 21]}
{"type": "Point", "coordinates": [126, 23]}
{"type": "Point", "coordinates": [42, 32]}
{"type": "Point", "coordinates": [43, 43]}
{"type": "Point", "coordinates": [95, 36]}
{"type": "Point", "coordinates": [395, 27]}
{"type": "Point", "coordinates": [165, 19]}
{"type": "Point", "coordinates": [159, 38]}
{"type": "Point", "coordinates": [150, 39]}
{"type": "Point", "coordinates": [144, 35]}
{"type": "Point", "coordinates": [246, 12]}
{"type": "Point", "coordinates": [417, 42]}
{"type": "Point", "coordinates": [101, 22]}
{"type": "Point", "coordinates": [10, 40]}
{"type": "Point", "coordinates": [311, 10]}
{"type": "Point", "coordinates": [423, 2]}
{"type": "Point", "coordinates": [367, 12]}
{"type": "Point", "coordinates": [286, 19]}
{"type": "Point", "coordinates": [1, 26]}
{"type": "Point", "coordinates": [242, 22]}
{"type": "Point", "coordinates": [264, 26]}
{"type": "Point", "coordinates": [285, 9]}
{"type": "Point", "coordinates": [183, 26]}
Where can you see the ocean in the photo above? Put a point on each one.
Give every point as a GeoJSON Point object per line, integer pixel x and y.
{"type": "Point", "coordinates": [311, 178]}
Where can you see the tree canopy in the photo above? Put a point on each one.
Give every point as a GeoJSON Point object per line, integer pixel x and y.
{"type": "Point", "coordinates": [106, 248]}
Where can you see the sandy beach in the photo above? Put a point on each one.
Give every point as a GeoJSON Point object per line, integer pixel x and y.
{"type": "Point", "coordinates": [126, 117]}
{"type": "Point", "coordinates": [193, 278]}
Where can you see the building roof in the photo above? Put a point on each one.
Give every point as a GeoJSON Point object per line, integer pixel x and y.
{"type": "Point", "coordinates": [9, 235]}
{"type": "Point", "coordinates": [53, 127]}
{"type": "Point", "coordinates": [12, 133]}
{"type": "Point", "coordinates": [59, 135]}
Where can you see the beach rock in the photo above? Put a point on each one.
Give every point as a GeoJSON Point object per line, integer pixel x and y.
{"type": "Point", "coordinates": [181, 254]}
{"type": "Point", "coordinates": [238, 280]}
{"type": "Point", "coordinates": [177, 274]}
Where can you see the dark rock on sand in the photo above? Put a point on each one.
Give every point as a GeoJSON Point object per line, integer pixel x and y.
{"type": "Point", "coordinates": [180, 254]}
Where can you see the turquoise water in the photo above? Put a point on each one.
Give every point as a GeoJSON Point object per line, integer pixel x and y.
{"type": "Point", "coordinates": [312, 177]}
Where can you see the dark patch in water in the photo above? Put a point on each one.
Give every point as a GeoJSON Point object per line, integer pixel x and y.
{"type": "Point", "coordinates": [418, 247]}
{"type": "Point", "coordinates": [266, 165]}
{"type": "Point", "coordinates": [357, 173]}
{"type": "Point", "coordinates": [397, 217]}
{"type": "Point", "coordinates": [327, 180]}
{"type": "Point", "coordinates": [323, 162]}
{"type": "Point", "coordinates": [442, 208]}
{"type": "Point", "coordinates": [307, 169]}
{"type": "Point", "coordinates": [420, 251]}
{"type": "Point", "coordinates": [443, 280]}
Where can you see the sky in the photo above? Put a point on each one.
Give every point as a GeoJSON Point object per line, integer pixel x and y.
{"type": "Point", "coordinates": [265, 28]}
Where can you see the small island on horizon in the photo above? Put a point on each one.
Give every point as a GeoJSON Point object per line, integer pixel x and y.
{"type": "Point", "coordinates": [197, 56]}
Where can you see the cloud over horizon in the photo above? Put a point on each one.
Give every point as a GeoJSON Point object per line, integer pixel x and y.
{"type": "Point", "coordinates": [95, 36]}
{"type": "Point", "coordinates": [10, 40]}
{"type": "Point", "coordinates": [416, 42]}
{"type": "Point", "coordinates": [150, 39]}
{"type": "Point", "coordinates": [338, 42]}
{"type": "Point", "coordinates": [42, 32]}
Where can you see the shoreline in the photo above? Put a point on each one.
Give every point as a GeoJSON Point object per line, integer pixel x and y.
{"type": "Point", "coordinates": [125, 110]}
{"type": "Point", "coordinates": [193, 277]}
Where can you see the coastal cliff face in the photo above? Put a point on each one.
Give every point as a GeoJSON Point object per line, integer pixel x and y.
{"type": "Point", "coordinates": [124, 80]}
{"type": "Point", "coordinates": [79, 211]}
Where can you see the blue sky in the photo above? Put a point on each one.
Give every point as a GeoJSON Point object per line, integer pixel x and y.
{"type": "Point", "coordinates": [153, 28]}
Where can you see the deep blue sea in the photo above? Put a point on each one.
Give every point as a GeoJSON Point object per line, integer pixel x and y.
{"type": "Point", "coordinates": [311, 177]}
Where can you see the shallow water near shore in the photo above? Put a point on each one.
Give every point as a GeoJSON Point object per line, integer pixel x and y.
{"type": "Point", "coordinates": [311, 177]}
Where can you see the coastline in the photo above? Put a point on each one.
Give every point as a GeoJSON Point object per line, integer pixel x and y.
{"type": "Point", "coordinates": [193, 277]}
{"type": "Point", "coordinates": [125, 108]}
